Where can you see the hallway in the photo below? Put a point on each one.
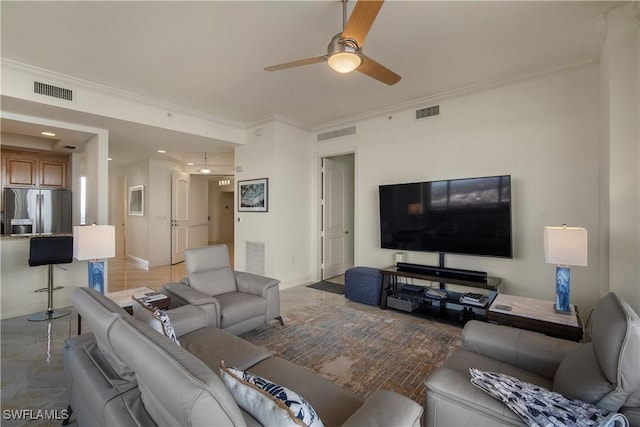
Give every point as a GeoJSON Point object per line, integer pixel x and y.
{"type": "Point", "coordinates": [124, 273]}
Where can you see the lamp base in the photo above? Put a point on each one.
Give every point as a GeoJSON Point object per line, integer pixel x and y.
{"type": "Point", "coordinates": [96, 275]}
{"type": "Point", "coordinates": [48, 315]}
{"type": "Point", "coordinates": [557, 310]}
{"type": "Point", "coordinates": [563, 279]}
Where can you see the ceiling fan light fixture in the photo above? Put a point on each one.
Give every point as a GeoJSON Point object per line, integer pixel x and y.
{"type": "Point", "coordinates": [343, 55]}
{"type": "Point", "coordinates": [344, 62]}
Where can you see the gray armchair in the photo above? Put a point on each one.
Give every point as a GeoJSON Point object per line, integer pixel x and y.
{"type": "Point", "coordinates": [604, 372]}
{"type": "Point", "coordinates": [234, 301]}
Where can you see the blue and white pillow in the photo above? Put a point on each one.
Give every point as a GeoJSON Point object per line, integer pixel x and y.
{"type": "Point", "coordinates": [167, 327]}
{"type": "Point", "coordinates": [157, 319]}
{"type": "Point", "coordinates": [538, 406]}
{"type": "Point", "coordinates": [269, 403]}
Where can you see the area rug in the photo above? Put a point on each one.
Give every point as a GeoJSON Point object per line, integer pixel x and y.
{"type": "Point", "coordinates": [328, 286]}
{"type": "Point", "coordinates": [359, 350]}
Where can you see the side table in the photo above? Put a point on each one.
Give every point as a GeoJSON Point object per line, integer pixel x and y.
{"type": "Point", "coordinates": [535, 315]}
{"type": "Point", "coordinates": [123, 299]}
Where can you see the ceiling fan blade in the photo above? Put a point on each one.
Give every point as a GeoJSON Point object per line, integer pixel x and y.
{"type": "Point", "coordinates": [361, 20]}
{"type": "Point", "coordinates": [379, 72]}
{"type": "Point", "coordinates": [297, 63]}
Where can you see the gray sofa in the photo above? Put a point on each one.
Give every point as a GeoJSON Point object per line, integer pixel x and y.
{"type": "Point", "coordinates": [604, 372]}
{"type": "Point", "coordinates": [233, 300]}
{"type": "Point", "coordinates": [124, 373]}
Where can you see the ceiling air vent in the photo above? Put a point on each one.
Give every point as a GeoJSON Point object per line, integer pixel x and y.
{"type": "Point", "coordinates": [428, 112]}
{"type": "Point", "coordinates": [54, 91]}
{"type": "Point", "coordinates": [336, 133]}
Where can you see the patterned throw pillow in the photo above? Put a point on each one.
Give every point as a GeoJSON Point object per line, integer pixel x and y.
{"type": "Point", "coordinates": [269, 403]}
{"type": "Point", "coordinates": [157, 319]}
{"type": "Point", "coordinates": [538, 406]}
{"type": "Point", "coordinates": [167, 327]}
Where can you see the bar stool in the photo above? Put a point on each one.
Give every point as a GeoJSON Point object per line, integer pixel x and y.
{"type": "Point", "coordinates": [50, 251]}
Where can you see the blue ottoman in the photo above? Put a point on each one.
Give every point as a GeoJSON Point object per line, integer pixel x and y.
{"type": "Point", "coordinates": [363, 284]}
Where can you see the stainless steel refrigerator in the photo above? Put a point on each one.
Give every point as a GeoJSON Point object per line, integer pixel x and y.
{"type": "Point", "coordinates": [29, 211]}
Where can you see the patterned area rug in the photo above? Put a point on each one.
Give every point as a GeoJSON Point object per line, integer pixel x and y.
{"type": "Point", "coordinates": [361, 351]}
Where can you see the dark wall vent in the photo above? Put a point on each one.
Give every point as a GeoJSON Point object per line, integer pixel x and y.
{"type": "Point", "coordinates": [428, 112]}
{"type": "Point", "coordinates": [54, 91]}
{"type": "Point", "coordinates": [336, 133]}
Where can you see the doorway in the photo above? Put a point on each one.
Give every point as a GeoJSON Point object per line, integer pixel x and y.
{"type": "Point", "coordinates": [337, 179]}
{"type": "Point", "coordinates": [221, 216]}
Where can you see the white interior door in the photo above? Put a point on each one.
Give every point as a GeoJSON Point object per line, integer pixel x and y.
{"type": "Point", "coordinates": [179, 215]}
{"type": "Point", "coordinates": [337, 216]}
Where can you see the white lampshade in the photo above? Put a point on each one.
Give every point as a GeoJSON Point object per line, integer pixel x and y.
{"type": "Point", "coordinates": [566, 245]}
{"type": "Point", "coordinates": [94, 242]}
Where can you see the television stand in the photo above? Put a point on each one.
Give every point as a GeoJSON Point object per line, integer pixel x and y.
{"type": "Point", "coordinates": [414, 299]}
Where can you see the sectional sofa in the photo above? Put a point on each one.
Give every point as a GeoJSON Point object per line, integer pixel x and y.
{"type": "Point", "coordinates": [126, 373]}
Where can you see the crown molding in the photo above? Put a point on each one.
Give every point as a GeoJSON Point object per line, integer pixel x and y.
{"type": "Point", "coordinates": [275, 117]}
{"type": "Point", "coordinates": [96, 87]}
{"type": "Point", "coordinates": [579, 63]}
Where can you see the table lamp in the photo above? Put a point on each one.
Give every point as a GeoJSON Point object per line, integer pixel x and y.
{"type": "Point", "coordinates": [94, 243]}
{"type": "Point", "coordinates": [565, 246]}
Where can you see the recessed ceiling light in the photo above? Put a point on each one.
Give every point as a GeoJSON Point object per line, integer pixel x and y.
{"type": "Point", "coordinates": [162, 151]}
{"type": "Point", "coordinates": [190, 164]}
{"type": "Point", "coordinates": [109, 158]}
{"type": "Point", "coordinates": [47, 133]}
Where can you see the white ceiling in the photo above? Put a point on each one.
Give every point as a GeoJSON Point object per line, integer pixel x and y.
{"type": "Point", "coordinates": [209, 56]}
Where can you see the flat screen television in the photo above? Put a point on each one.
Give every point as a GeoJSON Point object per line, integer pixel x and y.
{"type": "Point", "coordinates": [470, 216]}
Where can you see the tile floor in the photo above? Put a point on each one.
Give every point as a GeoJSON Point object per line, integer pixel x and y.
{"type": "Point", "coordinates": [31, 370]}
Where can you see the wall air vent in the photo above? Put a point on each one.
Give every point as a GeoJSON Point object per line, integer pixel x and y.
{"type": "Point", "coordinates": [254, 258]}
{"type": "Point", "coordinates": [336, 133]}
{"type": "Point", "coordinates": [428, 112]}
{"type": "Point", "coordinates": [54, 91]}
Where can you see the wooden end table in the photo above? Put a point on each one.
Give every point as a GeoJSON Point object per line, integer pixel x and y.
{"type": "Point", "coordinates": [535, 315]}
{"type": "Point", "coordinates": [123, 299]}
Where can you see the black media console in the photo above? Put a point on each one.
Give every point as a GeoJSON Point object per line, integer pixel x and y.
{"type": "Point", "coordinates": [443, 302]}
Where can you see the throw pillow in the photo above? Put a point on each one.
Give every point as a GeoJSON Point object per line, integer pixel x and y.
{"type": "Point", "coordinates": [538, 406]}
{"type": "Point", "coordinates": [157, 319]}
{"type": "Point", "coordinates": [269, 403]}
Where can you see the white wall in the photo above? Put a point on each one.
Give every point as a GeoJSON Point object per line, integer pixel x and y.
{"type": "Point", "coordinates": [159, 212]}
{"type": "Point", "coordinates": [256, 159]}
{"type": "Point", "coordinates": [280, 152]}
{"type": "Point", "coordinates": [620, 116]}
{"type": "Point", "coordinates": [543, 132]}
{"type": "Point", "coordinates": [137, 240]}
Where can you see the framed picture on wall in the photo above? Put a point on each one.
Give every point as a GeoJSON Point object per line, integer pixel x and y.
{"type": "Point", "coordinates": [136, 200]}
{"type": "Point", "coordinates": [253, 195]}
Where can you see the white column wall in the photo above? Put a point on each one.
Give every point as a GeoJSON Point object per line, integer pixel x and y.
{"type": "Point", "coordinates": [620, 106]}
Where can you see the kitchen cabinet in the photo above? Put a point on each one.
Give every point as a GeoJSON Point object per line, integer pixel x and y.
{"type": "Point", "coordinates": [34, 169]}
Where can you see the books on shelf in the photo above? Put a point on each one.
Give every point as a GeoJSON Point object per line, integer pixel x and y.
{"type": "Point", "coordinates": [474, 299]}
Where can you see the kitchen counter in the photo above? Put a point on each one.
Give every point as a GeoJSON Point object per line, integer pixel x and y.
{"type": "Point", "coordinates": [19, 281]}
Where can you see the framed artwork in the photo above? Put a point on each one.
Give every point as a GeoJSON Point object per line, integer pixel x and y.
{"type": "Point", "coordinates": [253, 195]}
{"type": "Point", "coordinates": [136, 200]}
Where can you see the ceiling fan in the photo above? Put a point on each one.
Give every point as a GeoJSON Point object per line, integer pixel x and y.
{"type": "Point", "coordinates": [344, 52]}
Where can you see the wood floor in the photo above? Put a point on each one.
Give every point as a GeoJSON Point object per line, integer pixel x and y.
{"type": "Point", "coordinates": [124, 273]}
